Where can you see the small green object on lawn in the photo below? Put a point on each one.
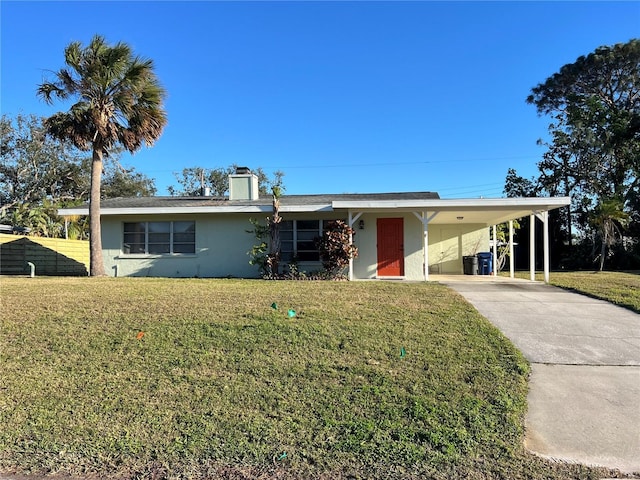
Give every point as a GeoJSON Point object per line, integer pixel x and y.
{"type": "Point", "coordinates": [291, 313]}
{"type": "Point", "coordinates": [274, 305]}
{"type": "Point", "coordinates": [403, 352]}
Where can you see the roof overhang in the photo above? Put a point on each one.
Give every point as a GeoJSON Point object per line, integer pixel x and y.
{"type": "Point", "coordinates": [484, 211]}
{"type": "Point", "coordinates": [84, 210]}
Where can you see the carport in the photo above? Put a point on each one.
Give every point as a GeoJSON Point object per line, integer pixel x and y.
{"type": "Point", "coordinates": [489, 212]}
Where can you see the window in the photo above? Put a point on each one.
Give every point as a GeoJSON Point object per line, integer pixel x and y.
{"type": "Point", "coordinates": [298, 239]}
{"type": "Point", "coordinates": [158, 238]}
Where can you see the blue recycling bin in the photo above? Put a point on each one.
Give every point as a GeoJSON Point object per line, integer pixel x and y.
{"type": "Point", "coordinates": [485, 263]}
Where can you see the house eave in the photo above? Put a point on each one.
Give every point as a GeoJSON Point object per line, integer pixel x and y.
{"type": "Point", "coordinates": [477, 211]}
{"type": "Point", "coordinates": [65, 212]}
{"type": "Point", "coordinates": [503, 208]}
{"type": "Point", "coordinates": [542, 203]}
{"type": "Point", "coordinates": [305, 208]}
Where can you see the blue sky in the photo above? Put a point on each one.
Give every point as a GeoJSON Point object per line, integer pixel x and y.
{"type": "Point", "coordinates": [343, 97]}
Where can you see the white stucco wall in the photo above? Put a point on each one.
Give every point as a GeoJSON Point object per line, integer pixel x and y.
{"type": "Point", "coordinates": [221, 249]}
{"type": "Point", "coordinates": [447, 245]}
{"type": "Point", "coordinates": [365, 266]}
{"type": "Point", "coordinates": [222, 243]}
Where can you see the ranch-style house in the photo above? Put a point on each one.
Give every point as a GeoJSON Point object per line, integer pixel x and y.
{"type": "Point", "coordinates": [407, 235]}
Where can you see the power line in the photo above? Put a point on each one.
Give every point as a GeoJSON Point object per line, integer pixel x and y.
{"type": "Point", "coordinates": [387, 164]}
{"type": "Point", "coordinates": [375, 164]}
{"type": "Point", "coordinates": [466, 187]}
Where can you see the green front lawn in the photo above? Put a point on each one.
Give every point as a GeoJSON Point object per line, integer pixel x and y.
{"type": "Point", "coordinates": [621, 288]}
{"type": "Point", "coordinates": [197, 378]}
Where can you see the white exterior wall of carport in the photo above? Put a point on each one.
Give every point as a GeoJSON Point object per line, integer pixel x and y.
{"type": "Point", "coordinates": [446, 245]}
{"type": "Point", "coordinates": [435, 245]}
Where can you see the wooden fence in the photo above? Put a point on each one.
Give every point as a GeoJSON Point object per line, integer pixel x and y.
{"type": "Point", "coordinates": [51, 256]}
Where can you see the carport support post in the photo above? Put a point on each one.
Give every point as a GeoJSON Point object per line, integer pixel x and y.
{"type": "Point", "coordinates": [425, 248]}
{"type": "Point", "coordinates": [532, 247]}
{"type": "Point", "coordinates": [495, 250]}
{"type": "Point", "coordinates": [545, 223]}
{"type": "Point", "coordinates": [425, 219]}
{"type": "Point", "coordinates": [352, 220]}
{"type": "Point", "coordinates": [544, 216]}
{"type": "Point", "coordinates": [511, 259]}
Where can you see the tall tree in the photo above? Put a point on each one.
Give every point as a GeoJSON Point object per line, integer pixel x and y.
{"type": "Point", "coordinates": [119, 102]}
{"type": "Point", "coordinates": [126, 182]}
{"type": "Point", "coordinates": [608, 217]}
{"type": "Point", "coordinates": [38, 174]}
{"type": "Point", "coordinates": [34, 167]}
{"type": "Point", "coordinates": [595, 108]}
{"type": "Point", "coordinates": [593, 153]}
{"type": "Point", "coordinates": [192, 180]}
{"type": "Point", "coordinates": [517, 186]}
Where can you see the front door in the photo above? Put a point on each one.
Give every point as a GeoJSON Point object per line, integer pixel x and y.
{"type": "Point", "coordinates": [390, 247]}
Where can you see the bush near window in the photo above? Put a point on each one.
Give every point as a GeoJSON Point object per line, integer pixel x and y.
{"type": "Point", "coordinates": [336, 247]}
{"type": "Point", "coordinates": [258, 252]}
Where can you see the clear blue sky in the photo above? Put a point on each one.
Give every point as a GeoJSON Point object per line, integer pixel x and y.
{"type": "Point", "coordinates": [342, 96]}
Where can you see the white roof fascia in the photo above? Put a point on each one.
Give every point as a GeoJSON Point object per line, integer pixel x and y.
{"type": "Point", "coordinates": [324, 207]}
{"type": "Point", "coordinates": [453, 204]}
{"type": "Point", "coordinates": [165, 210]}
{"type": "Point", "coordinates": [532, 203]}
{"type": "Point", "coordinates": [68, 212]}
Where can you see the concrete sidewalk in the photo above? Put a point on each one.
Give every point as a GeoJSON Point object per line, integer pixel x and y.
{"type": "Point", "coordinates": [584, 390]}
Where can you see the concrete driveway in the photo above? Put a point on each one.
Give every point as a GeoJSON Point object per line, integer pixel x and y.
{"type": "Point", "coordinates": [584, 390]}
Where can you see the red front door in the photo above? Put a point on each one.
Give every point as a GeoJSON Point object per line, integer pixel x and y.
{"type": "Point", "coordinates": [390, 247]}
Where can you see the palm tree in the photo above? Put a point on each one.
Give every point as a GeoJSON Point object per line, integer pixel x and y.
{"type": "Point", "coordinates": [119, 102]}
{"type": "Point", "coordinates": [608, 217]}
{"type": "Point", "coordinates": [273, 259]}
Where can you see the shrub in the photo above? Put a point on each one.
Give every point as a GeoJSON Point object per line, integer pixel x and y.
{"type": "Point", "coordinates": [336, 247]}
{"type": "Point", "coordinates": [259, 252]}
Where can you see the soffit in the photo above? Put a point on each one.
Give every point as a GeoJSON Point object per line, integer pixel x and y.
{"type": "Point", "coordinates": [489, 211]}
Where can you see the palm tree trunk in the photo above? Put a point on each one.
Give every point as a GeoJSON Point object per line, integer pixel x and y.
{"type": "Point", "coordinates": [96, 263]}
{"type": "Point", "coordinates": [603, 250]}
{"type": "Point", "coordinates": [274, 230]}
{"type": "Point", "coordinates": [567, 193]}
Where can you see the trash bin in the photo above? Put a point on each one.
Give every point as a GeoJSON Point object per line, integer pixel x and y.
{"type": "Point", "coordinates": [470, 265]}
{"type": "Point", "coordinates": [485, 263]}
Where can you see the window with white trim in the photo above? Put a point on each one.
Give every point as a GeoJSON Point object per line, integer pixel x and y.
{"type": "Point", "coordinates": [157, 238]}
{"type": "Point", "coordinates": [298, 239]}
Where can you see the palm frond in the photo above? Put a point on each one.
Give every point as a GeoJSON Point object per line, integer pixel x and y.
{"type": "Point", "coordinates": [73, 126]}
{"type": "Point", "coordinates": [73, 55]}
{"type": "Point", "coordinates": [119, 97]}
{"type": "Point", "coordinates": [47, 91]}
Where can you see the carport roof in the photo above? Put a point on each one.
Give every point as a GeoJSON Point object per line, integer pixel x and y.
{"type": "Point", "coordinates": [485, 211]}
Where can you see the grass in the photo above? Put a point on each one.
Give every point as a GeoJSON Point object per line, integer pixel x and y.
{"type": "Point", "coordinates": [620, 288]}
{"type": "Point", "coordinates": [166, 378]}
